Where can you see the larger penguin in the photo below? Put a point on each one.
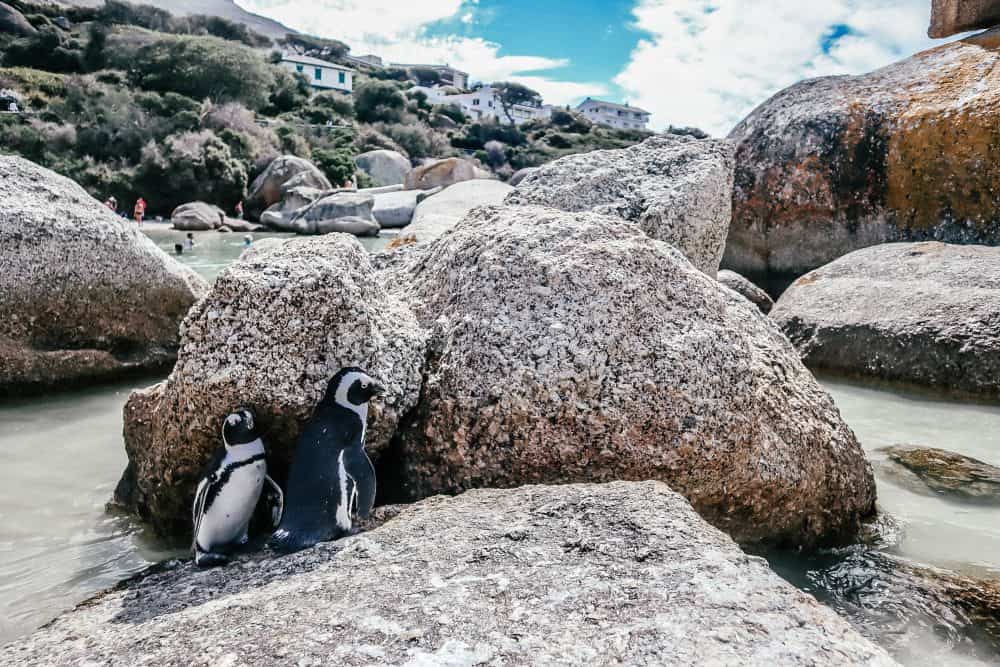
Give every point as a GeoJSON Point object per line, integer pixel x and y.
{"type": "Point", "coordinates": [331, 474]}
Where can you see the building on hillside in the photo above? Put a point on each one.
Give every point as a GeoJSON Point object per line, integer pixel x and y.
{"type": "Point", "coordinates": [620, 116]}
{"type": "Point", "coordinates": [322, 74]}
{"type": "Point", "coordinates": [484, 104]}
{"type": "Point", "coordinates": [369, 60]}
{"type": "Point", "coordinates": [449, 75]}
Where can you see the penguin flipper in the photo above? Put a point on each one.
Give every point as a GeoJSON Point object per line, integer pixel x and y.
{"type": "Point", "coordinates": [361, 470]}
{"type": "Point", "coordinates": [278, 511]}
{"type": "Point", "coordinates": [198, 511]}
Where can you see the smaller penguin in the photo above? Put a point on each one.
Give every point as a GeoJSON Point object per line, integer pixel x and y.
{"type": "Point", "coordinates": [229, 491]}
{"type": "Point", "coordinates": [331, 476]}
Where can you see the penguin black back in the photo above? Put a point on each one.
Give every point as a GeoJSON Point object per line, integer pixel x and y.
{"type": "Point", "coordinates": [331, 471]}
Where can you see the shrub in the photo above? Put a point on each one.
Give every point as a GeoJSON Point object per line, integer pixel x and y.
{"type": "Point", "coordinates": [370, 139]}
{"type": "Point", "coordinates": [558, 141]}
{"type": "Point", "coordinates": [478, 134]}
{"type": "Point", "coordinates": [376, 101]}
{"type": "Point", "coordinates": [496, 154]}
{"type": "Point", "coordinates": [571, 122]}
{"type": "Point", "coordinates": [452, 111]}
{"type": "Point", "coordinates": [290, 91]}
{"type": "Point", "coordinates": [338, 103]}
{"type": "Point", "coordinates": [48, 50]}
{"type": "Point", "coordinates": [338, 165]}
{"type": "Point", "coordinates": [204, 67]}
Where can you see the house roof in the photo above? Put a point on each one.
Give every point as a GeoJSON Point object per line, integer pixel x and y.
{"type": "Point", "coordinates": [314, 62]}
{"type": "Point", "coordinates": [613, 105]}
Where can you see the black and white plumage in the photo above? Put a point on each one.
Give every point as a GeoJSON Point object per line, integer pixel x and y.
{"type": "Point", "coordinates": [229, 491]}
{"type": "Point", "coordinates": [331, 476]}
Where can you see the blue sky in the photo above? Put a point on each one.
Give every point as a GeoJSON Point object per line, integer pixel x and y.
{"type": "Point", "coordinates": [690, 62]}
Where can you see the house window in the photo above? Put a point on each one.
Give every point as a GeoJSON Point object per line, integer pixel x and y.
{"type": "Point", "coordinates": [475, 103]}
{"type": "Point", "coordinates": [319, 74]}
{"type": "Point", "coordinates": [299, 68]}
{"type": "Point", "coordinates": [490, 104]}
{"type": "Point", "coordinates": [342, 77]}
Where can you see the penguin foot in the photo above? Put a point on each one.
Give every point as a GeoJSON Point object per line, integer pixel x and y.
{"type": "Point", "coordinates": [209, 559]}
{"type": "Point", "coordinates": [287, 542]}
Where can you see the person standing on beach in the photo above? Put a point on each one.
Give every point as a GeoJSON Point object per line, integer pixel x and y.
{"type": "Point", "coordinates": [140, 210]}
{"type": "Point", "coordinates": [239, 210]}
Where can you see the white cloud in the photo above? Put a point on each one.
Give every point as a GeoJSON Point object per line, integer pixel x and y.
{"type": "Point", "coordinates": [710, 62]}
{"type": "Point", "coordinates": [397, 31]}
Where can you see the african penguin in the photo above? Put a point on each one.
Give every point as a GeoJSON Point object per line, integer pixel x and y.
{"type": "Point", "coordinates": [229, 491]}
{"type": "Point", "coordinates": [331, 474]}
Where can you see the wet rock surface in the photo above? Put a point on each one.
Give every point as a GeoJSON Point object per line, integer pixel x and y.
{"type": "Point", "coordinates": [85, 296]}
{"type": "Point", "coordinates": [552, 360]}
{"type": "Point", "coordinates": [276, 326]}
{"type": "Point", "coordinates": [586, 574]}
{"type": "Point", "coordinates": [905, 153]}
{"type": "Point", "coordinates": [924, 313]}
{"type": "Point", "coordinates": [949, 474]}
{"type": "Point", "coordinates": [677, 189]}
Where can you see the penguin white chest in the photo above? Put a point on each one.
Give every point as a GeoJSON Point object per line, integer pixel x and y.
{"type": "Point", "coordinates": [227, 519]}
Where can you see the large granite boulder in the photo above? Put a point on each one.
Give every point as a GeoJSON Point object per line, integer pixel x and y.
{"type": "Point", "coordinates": [747, 290]}
{"type": "Point", "coordinates": [571, 347]}
{"type": "Point", "coordinates": [948, 474]}
{"type": "Point", "coordinates": [521, 174]}
{"type": "Point", "coordinates": [283, 174]}
{"type": "Point", "coordinates": [384, 167]}
{"type": "Point", "coordinates": [437, 214]}
{"type": "Point", "coordinates": [395, 209]}
{"type": "Point", "coordinates": [13, 22]}
{"type": "Point", "coordinates": [906, 153]}
{"type": "Point", "coordinates": [276, 326]}
{"type": "Point", "coordinates": [197, 217]}
{"type": "Point", "coordinates": [85, 296]}
{"type": "Point", "coordinates": [327, 214]}
{"type": "Point", "coordinates": [950, 17]}
{"type": "Point", "coordinates": [677, 189]}
{"type": "Point", "coordinates": [624, 573]}
{"type": "Point", "coordinates": [442, 173]}
{"type": "Point", "coordinates": [924, 313]}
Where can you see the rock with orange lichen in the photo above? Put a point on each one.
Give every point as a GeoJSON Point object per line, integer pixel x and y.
{"type": "Point", "coordinates": [906, 153]}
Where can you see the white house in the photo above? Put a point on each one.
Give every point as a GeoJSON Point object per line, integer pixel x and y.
{"type": "Point", "coordinates": [321, 74]}
{"type": "Point", "coordinates": [621, 116]}
{"type": "Point", "coordinates": [484, 104]}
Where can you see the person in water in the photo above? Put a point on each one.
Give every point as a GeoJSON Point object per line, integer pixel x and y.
{"type": "Point", "coordinates": [247, 241]}
{"type": "Point", "coordinates": [112, 204]}
{"type": "Point", "coordinates": [189, 241]}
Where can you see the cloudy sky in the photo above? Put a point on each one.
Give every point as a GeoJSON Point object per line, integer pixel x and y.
{"type": "Point", "coordinates": [690, 62]}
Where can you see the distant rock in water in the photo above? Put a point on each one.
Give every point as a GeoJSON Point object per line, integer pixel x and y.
{"type": "Point", "coordinates": [197, 217]}
{"type": "Point", "coordinates": [950, 474]}
{"type": "Point", "coordinates": [747, 289]}
{"type": "Point", "coordinates": [623, 573]}
{"type": "Point", "coordinates": [923, 313]}
{"type": "Point", "coordinates": [85, 295]}
{"type": "Point", "coordinates": [906, 153]}
{"type": "Point", "coordinates": [950, 17]}
{"type": "Point", "coordinates": [283, 174]}
{"type": "Point", "coordinates": [677, 189]}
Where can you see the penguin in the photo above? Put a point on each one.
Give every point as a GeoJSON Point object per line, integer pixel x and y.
{"type": "Point", "coordinates": [229, 491]}
{"type": "Point", "coordinates": [331, 474]}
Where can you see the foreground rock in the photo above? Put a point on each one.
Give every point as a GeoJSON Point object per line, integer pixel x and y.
{"type": "Point", "coordinates": [275, 327]}
{"type": "Point", "coordinates": [950, 17]}
{"type": "Point", "coordinates": [385, 167]}
{"type": "Point", "coordinates": [442, 173]}
{"type": "Point", "coordinates": [911, 312]}
{"type": "Point", "coordinates": [436, 215]}
{"type": "Point", "coordinates": [747, 290]}
{"type": "Point", "coordinates": [677, 189]}
{"type": "Point", "coordinates": [950, 474]}
{"type": "Point", "coordinates": [85, 296]}
{"type": "Point", "coordinates": [553, 359]}
{"type": "Point", "coordinates": [623, 573]}
{"type": "Point", "coordinates": [906, 153]}
{"type": "Point", "coordinates": [283, 174]}
{"type": "Point", "coordinates": [197, 217]}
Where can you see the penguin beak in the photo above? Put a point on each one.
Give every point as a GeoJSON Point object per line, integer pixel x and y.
{"type": "Point", "coordinates": [376, 389]}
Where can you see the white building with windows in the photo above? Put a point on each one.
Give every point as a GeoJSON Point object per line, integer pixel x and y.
{"type": "Point", "coordinates": [484, 104]}
{"type": "Point", "coordinates": [321, 74]}
{"type": "Point", "coordinates": [620, 116]}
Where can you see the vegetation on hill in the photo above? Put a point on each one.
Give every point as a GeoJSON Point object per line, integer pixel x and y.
{"type": "Point", "coordinates": [131, 101]}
